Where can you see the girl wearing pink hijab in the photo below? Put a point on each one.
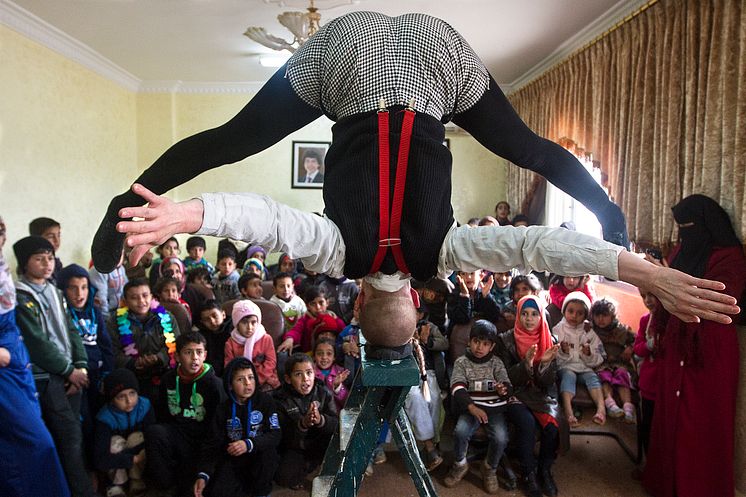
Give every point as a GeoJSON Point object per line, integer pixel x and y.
{"type": "Point", "coordinates": [249, 339]}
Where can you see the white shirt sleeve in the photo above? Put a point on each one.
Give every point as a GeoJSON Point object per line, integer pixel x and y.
{"type": "Point", "coordinates": [501, 248]}
{"type": "Point", "coordinates": [259, 220]}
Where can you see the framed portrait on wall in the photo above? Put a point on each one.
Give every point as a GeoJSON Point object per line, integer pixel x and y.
{"type": "Point", "coordinates": [308, 164]}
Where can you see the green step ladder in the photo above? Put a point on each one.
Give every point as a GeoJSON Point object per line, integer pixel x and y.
{"type": "Point", "coordinates": [378, 394]}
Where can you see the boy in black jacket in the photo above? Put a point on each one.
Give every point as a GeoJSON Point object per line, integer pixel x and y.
{"type": "Point", "coordinates": [308, 418]}
{"type": "Point", "coordinates": [239, 457]}
{"type": "Point", "coordinates": [216, 329]}
{"type": "Point", "coordinates": [188, 398]}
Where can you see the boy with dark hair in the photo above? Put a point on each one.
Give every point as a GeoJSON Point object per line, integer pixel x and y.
{"type": "Point", "coordinates": [475, 299]}
{"type": "Point", "coordinates": [120, 443]}
{"type": "Point", "coordinates": [196, 247]}
{"type": "Point", "coordinates": [216, 329]}
{"type": "Point", "coordinates": [239, 456]}
{"type": "Point", "coordinates": [284, 296]}
{"type": "Point", "coordinates": [57, 355]}
{"type": "Point", "coordinates": [301, 335]}
{"type": "Point", "coordinates": [143, 339]}
{"type": "Point", "coordinates": [250, 286]}
{"type": "Point", "coordinates": [225, 281]}
{"type": "Point", "coordinates": [480, 388]}
{"type": "Point", "coordinates": [186, 405]}
{"type": "Point", "coordinates": [50, 230]}
{"type": "Point", "coordinates": [308, 418]}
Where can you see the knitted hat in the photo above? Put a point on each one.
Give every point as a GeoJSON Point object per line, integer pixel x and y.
{"type": "Point", "coordinates": [483, 329]}
{"type": "Point", "coordinates": [71, 271]}
{"type": "Point", "coordinates": [244, 308]}
{"type": "Point", "coordinates": [28, 246]}
{"type": "Point", "coordinates": [253, 261]}
{"type": "Point", "coordinates": [195, 241]}
{"type": "Point", "coordinates": [578, 297]}
{"type": "Point", "coordinates": [325, 322]}
{"type": "Point", "coordinates": [252, 251]}
{"type": "Point", "coordinates": [118, 380]}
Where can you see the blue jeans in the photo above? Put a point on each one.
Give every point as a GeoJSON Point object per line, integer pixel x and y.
{"type": "Point", "coordinates": [497, 432]}
{"type": "Point", "coordinates": [568, 380]}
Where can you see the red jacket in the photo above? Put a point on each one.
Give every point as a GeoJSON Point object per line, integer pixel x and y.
{"type": "Point", "coordinates": [265, 359]}
{"type": "Point", "coordinates": [647, 369]}
{"type": "Point", "coordinates": [302, 332]}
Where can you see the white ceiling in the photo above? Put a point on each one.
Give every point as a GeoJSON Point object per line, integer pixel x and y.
{"type": "Point", "coordinates": [201, 40]}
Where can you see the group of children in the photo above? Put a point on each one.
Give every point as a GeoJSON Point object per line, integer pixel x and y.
{"type": "Point", "coordinates": [221, 406]}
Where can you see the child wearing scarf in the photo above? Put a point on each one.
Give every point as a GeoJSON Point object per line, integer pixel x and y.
{"type": "Point", "coordinates": [249, 339]}
{"type": "Point", "coordinates": [239, 456]}
{"type": "Point", "coordinates": [528, 352]}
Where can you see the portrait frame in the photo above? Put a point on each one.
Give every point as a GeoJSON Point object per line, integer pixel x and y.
{"type": "Point", "coordinates": [300, 150]}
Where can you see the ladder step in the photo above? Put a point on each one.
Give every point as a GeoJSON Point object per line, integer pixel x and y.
{"type": "Point", "coordinates": [322, 485]}
{"type": "Point", "coordinates": [347, 419]}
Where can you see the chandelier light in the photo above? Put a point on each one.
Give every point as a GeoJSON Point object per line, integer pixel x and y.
{"type": "Point", "coordinates": [302, 25]}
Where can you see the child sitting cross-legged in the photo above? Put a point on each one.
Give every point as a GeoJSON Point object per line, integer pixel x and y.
{"type": "Point", "coordinates": [330, 373]}
{"type": "Point", "coordinates": [480, 388]}
{"type": "Point", "coordinates": [119, 440]}
{"type": "Point", "coordinates": [188, 398]}
{"type": "Point", "coordinates": [308, 418]}
{"type": "Point", "coordinates": [580, 352]}
{"type": "Point", "coordinates": [249, 339]}
{"type": "Point", "coordinates": [239, 455]}
{"type": "Point", "coordinates": [616, 371]}
{"type": "Point", "coordinates": [217, 330]}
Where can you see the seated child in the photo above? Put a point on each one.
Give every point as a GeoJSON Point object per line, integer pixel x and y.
{"type": "Point", "coordinates": [255, 266]}
{"type": "Point", "coordinates": [647, 348]}
{"type": "Point", "coordinates": [617, 368]}
{"type": "Point", "coordinates": [119, 440]}
{"type": "Point", "coordinates": [239, 454]}
{"type": "Point", "coordinates": [301, 335]}
{"type": "Point", "coordinates": [308, 418]}
{"type": "Point", "coordinates": [348, 344]}
{"type": "Point", "coordinates": [560, 287]}
{"type": "Point", "coordinates": [249, 339]}
{"type": "Point", "coordinates": [143, 339]}
{"type": "Point", "coordinates": [501, 288]}
{"type": "Point", "coordinates": [520, 286]}
{"type": "Point", "coordinates": [480, 388]}
{"type": "Point", "coordinates": [250, 286]}
{"type": "Point", "coordinates": [425, 415]}
{"type": "Point", "coordinates": [326, 371]}
{"type": "Point", "coordinates": [199, 276]}
{"type": "Point", "coordinates": [188, 398]}
{"type": "Point", "coordinates": [169, 248]}
{"type": "Point", "coordinates": [225, 281]}
{"type": "Point", "coordinates": [217, 330]}
{"type": "Point", "coordinates": [529, 352]}
{"type": "Point", "coordinates": [196, 247]}
{"type": "Point", "coordinates": [284, 295]}
{"type": "Point", "coordinates": [434, 294]}
{"type": "Point", "coordinates": [324, 327]}
{"type": "Point", "coordinates": [50, 230]}
{"type": "Point", "coordinates": [167, 290]}
{"type": "Point", "coordinates": [474, 299]}
{"type": "Point", "coordinates": [580, 352]}
{"type": "Point", "coordinates": [257, 252]}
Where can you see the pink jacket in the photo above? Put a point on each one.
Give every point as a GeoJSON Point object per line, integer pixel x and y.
{"type": "Point", "coordinates": [339, 396]}
{"type": "Point", "coordinates": [265, 359]}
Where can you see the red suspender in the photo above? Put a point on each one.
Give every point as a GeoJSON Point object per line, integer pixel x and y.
{"type": "Point", "coordinates": [389, 229]}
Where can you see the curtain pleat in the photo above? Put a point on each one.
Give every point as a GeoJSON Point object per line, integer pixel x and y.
{"type": "Point", "coordinates": [661, 103]}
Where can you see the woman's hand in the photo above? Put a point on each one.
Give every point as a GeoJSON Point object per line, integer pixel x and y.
{"type": "Point", "coordinates": [161, 219]}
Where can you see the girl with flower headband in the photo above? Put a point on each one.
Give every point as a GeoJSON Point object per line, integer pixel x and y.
{"type": "Point", "coordinates": [25, 443]}
{"type": "Point", "coordinates": [528, 352]}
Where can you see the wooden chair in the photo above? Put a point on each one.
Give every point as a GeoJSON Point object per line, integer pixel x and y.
{"type": "Point", "coordinates": [268, 289]}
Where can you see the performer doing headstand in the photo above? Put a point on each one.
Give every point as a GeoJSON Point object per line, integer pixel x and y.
{"type": "Point", "coordinates": [390, 83]}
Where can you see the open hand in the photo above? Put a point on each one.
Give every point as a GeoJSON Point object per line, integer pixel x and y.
{"type": "Point", "coordinates": [549, 354]}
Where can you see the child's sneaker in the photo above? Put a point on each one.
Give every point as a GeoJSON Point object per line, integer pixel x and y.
{"type": "Point", "coordinates": [489, 478]}
{"type": "Point", "coordinates": [629, 413]}
{"type": "Point", "coordinates": [433, 459]}
{"type": "Point", "coordinates": [379, 456]}
{"type": "Point", "coordinates": [612, 409]}
{"type": "Point", "coordinates": [456, 474]}
{"type": "Point", "coordinates": [115, 491]}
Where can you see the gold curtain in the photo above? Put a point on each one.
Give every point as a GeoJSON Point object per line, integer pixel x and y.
{"type": "Point", "coordinates": [661, 103]}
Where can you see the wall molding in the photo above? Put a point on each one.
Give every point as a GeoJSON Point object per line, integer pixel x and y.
{"type": "Point", "coordinates": [615, 14]}
{"type": "Point", "coordinates": [199, 87]}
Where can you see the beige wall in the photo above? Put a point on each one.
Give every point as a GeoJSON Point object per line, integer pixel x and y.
{"type": "Point", "coordinates": [67, 143]}
{"type": "Point", "coordinates": [70, 140]}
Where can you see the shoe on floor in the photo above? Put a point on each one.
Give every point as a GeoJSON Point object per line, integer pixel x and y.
{"type": "Point", "coordinates": [629, 414]}
{"type": "Point", "coordinates": [379, 456]}
{"type": "Point", "coordinates": [433, 459]}
{"type": "Point", "coordinates": [531, 485]}
{"type": "Point", "coordinates": [612, 409]}
{"type": "Point", "coordinates": [548, 486]}
{"type": "Point", "coordinates": [115, 491]}
{"type": "Point", "coordinates": [489, 478]}
{"type": "Point", "coordinates": [369, 469]}
{"type": "Point", "coordinates": [456, 474]}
